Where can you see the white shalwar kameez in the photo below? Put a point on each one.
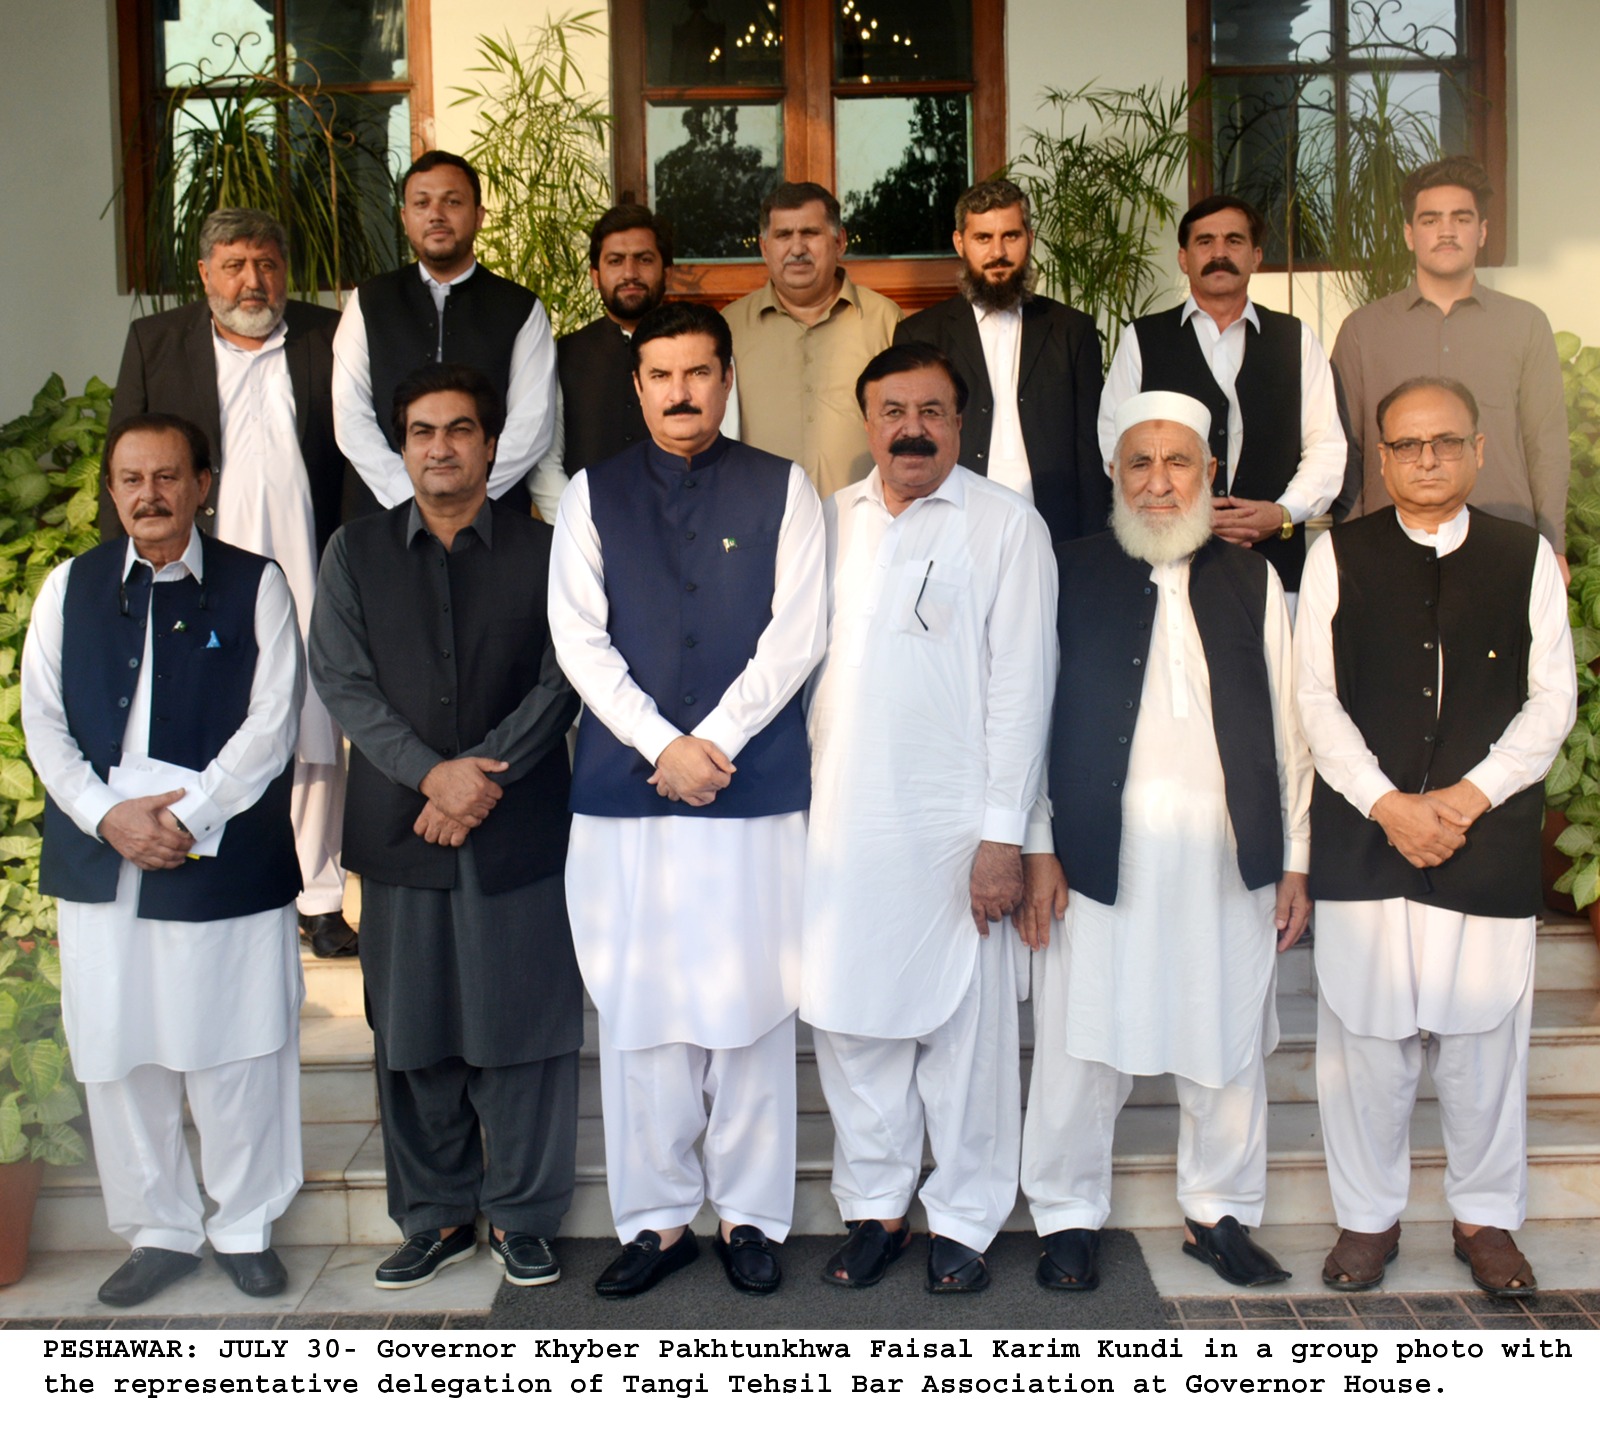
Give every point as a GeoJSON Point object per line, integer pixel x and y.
{"type": "Point", "coordinates": [1179, 974]}
{"type": "Point", "coordinates": [1389, 970]}
{"type": "Point", "coordinates": [928, 725]}
{"type": "Point", "coordinates": [155, 1008]}
{"type": "Point", "coordinates": [687, 928]}
{"type": "Point", "coordinates": [265, 506]}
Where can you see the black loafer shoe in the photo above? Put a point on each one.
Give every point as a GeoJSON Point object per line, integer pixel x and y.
{"type": "Point", "coordinates": [867, 1254]}
{"type": "Point", "coordinates": [953, 1268]}
{"type": "Point", "coordinates": [420, 1258]}
{"type": "Point", "coordinates": [256, 1273]}
{"type": "Point", "coordinates": [1228, 1250]}
{"type": "Point", "coordinates": [1070, 1260]}
{"type": "Point", "coordinates": [527, 1259]}
{"type": "Point", "coordinates": [643, 1263]}
{"type": "Point", "coordinates": [329, 935]}
{"type": "Point", "coordinates": [148, 1270]}
{"type": "Point", "coordinates": [750, 1260]}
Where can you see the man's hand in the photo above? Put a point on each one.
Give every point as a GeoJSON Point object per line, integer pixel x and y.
{"type": "Point", "coordinates": [1463, 799]}
{"type": "Point", "coordinates": [1566, 571]}
{"type": "Point", "coordinates": [1044, 897]}
{"type": "Point", "coordinates": [462, 789]}
{"type": "Point", "coordinates": [693, 770]}
{"type": "Point", "coordinates": [1423, 828]}
{"type": "Point", "coordinates": [434, 825]}
{"type": "Point", "coordinates": [144, 833]}
{"type": "Point", "coordinates": [1294, 908]}
{"type": "Point", "coordinates": [996, 884]}
{"type": "Point", "coordinates": [1245, 522]}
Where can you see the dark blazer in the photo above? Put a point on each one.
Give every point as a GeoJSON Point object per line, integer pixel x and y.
{"type": "Point", "coordinates": [169, 365]}
{"type": "Point", "coordinates": [1058, 399]}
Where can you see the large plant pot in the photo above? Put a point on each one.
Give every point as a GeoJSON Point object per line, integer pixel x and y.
{"type": "Point", "coordinates": [19, 1194]}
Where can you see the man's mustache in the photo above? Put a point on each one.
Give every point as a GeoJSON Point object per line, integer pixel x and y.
{"type": "Point", "coordinates": [913, 447]}
{"type": "Point", "coordinates": [151, 509]}
{"type": "Point", "coordinates": [682, 409]}
{"type": "Point", "coordinates": [1219, 265]}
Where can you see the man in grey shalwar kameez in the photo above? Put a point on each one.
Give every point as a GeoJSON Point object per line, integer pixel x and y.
{"type": "Point", "coordinates": [429, 642]}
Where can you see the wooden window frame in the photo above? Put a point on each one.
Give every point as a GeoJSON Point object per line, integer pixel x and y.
{"type": "Point", "coordinates": [1485, 24]}
{"type": "Point", "coordinates": [142, 108]}
{"type": "Point", "coordinates": [808, 137]}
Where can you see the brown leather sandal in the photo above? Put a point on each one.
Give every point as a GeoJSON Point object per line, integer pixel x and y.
{"type": "Point", "coordinates": [1496, 1263]}
{"type": "Point", "coordinates": [1358, 1258]}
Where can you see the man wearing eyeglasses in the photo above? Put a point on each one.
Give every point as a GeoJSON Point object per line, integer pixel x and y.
{"type": "Point", "coordinates": [1436, 685]}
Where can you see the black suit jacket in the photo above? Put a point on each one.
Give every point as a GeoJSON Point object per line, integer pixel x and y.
{"type": "Point", "coordinates": [1058, 399]}
{"type": "Point", "coordinates": [169, 365]}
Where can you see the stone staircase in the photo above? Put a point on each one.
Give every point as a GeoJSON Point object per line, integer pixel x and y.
{"type": "Point", "coordinates": [343, 1198]}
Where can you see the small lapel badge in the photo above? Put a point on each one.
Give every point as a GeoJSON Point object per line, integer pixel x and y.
{"type": "Point", "coordinates": [1493, 656]}
{"type": "Point", "coordinates": [180, 625]}
{"type": "Point", "coordinates": [213, 643]}
{"type": "Point", "coordinates": [729, 544]}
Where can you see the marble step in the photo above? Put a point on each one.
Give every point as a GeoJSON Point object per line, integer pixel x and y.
{"type": "Point", "coordinates": [344, 1201]}
{"type": "Point", "coordinates": [1564, 1060]}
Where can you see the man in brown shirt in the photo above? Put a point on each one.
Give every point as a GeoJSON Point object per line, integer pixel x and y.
{"type": "Point", "coordinates": [1447, 324]}
{"type": "Point", "coordinates": [802, 338]}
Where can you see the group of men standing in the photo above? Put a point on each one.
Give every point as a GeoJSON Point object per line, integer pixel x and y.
{"type": "Point", "coordinates": [882, 760]}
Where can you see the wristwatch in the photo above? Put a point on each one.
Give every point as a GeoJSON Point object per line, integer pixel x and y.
{"type": "Point", "coordinates": [1286, 531]}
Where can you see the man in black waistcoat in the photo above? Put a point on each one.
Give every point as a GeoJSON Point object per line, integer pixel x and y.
{"type": "Point", "coordinates": [429, 643]}
{"type": "Point", "coordinates": [1436, 684]}
{"type": "Point", "coordinates": [1031, 364]}
{"type": "Point", "coordinates": [161, 693]}
{"type": "Point", "coordinates": [1275, 428]}
{"type": "Point", "coordinates": [447, 308]}
{"type": "Point", "coordinates": [597, 407]}
{"type": "Point", "coordinates": [1180, 787]}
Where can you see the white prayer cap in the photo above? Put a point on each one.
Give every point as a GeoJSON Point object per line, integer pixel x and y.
{"type": "Point", "coordinates": [1163, 406]}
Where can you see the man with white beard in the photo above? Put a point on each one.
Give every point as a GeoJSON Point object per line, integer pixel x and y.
{"type": "Point", "coordinates": [1181, 786]}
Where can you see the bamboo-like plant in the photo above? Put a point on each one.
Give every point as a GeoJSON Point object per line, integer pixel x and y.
{"type": "Point", "coordinates": [539, 144]}
{"type": "Point", "coordinates": [238, 136]}
{"type": "Point", "coordinates": [1102, 182]}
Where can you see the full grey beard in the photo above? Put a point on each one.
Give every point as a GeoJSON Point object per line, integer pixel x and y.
{"type": "Point", "coordinates": [1163, 539]}
{"type": "Point", "coordinates": [235, 318]}
{"type": "Point", "coordinates": [998, 297]}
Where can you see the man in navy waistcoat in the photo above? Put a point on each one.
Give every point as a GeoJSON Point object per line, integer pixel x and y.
{"type": "Point", "coordinates": [687, 605]}
{"type": "Point", "coordinates": [161, 694]}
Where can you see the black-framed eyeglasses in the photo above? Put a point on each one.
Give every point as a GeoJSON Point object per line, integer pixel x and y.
{"type": "Point", "coordinates": [1445, 449]}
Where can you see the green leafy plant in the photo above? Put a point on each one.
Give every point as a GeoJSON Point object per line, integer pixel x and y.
{"type": "Point", "coordinates": [1102, 182]}
{"type": "Point", "coordinates": [539, 144]}
{"type": "Point", "coordinates": [49, 480]}
{"type": "Point", "coordinates": [1573, 784]}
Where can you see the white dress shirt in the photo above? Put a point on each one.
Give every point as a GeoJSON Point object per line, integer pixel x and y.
{"type": "Point", "coordinates": [928, 725]}
{"type": "Point", "coordinates": [530, 401]}
{"type": "Point", "coordinates": [1320, 475]}
{"type": "Point", "coordinates": [182, 995]}
{"type": "Point", "coordinates": [1400, 966]}
{"type": "Point", "coordinates": [1000, 332]}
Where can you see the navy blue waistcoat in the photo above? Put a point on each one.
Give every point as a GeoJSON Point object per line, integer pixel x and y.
{"type": "Point", "coordinates": [204, 650]}
{"type": "Point", "coordinates": [690, 552]}
{"type": "Point", "coordinates": [1107, 607]}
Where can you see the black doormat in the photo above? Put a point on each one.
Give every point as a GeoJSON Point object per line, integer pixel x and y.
{"type": "Point", "coordinates": [700, 1298]}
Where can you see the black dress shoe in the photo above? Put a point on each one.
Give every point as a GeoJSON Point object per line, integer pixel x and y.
{"type": "Point", "coordinates": [527, 1259]}
{"type": "Point", "coordinates": [643, 1263]}
{"type": "Point", "coordinates": [750, 1260]}
{"type": "Point", "coordinates": [867, 1254]}
{"type": "Point", "coordinates": [329, 935]}
{"type": "Point", "coordinates": [422, 1257]}
{"type": "Point", "coordinates": [1070, 1260]}
{"type": "Point", "coordinates": [148, 1270]}
{"type": "Point", "coordinates": [1228, 1250]}
{"type": "Point", "coordinates": [256, 1273]}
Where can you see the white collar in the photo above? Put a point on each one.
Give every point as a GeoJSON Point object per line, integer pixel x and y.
{"type": "Point", "coordinates": [193, 559]}
{"type": "Point", "coordinates": [1190, 308]}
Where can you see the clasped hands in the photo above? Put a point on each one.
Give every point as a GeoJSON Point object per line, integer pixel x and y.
{"type": "Point", "coordinates": [146, 833]}
{"type": "Point", "coordinates": [460, 797]}
{"type": "Point", "coordinates": [1245, 522]}
{"type": "Point", "coordinates": [1428, 828]}
{"type": "Point", "coordinates": [692, 770]}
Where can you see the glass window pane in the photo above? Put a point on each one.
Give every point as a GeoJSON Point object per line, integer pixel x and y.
{"type": "Point", "coordinates": [902, 164]}
{"type": "Point", "coordinates": [346, 41]}
{"type": "Point", "coordinates": [212, 37]}
{"type": "Point", "coordinates": [710, 166]}
{"type": "Point", "coordinates": [882, 41]}
{"type": "Point", "coordinates": [1270, 32]}
{"type": "Point", "coordinates": [699, 42]}
{"type": "Point", "coordinates": [1405, 27]}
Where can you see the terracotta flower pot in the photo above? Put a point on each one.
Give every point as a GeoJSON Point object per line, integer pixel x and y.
{"type": "Point", "coordinates": [19, 1194]}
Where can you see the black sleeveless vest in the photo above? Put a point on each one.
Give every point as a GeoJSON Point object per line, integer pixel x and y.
{"type": "Point", "coordinates": [600, 405]}
{"type": "Point", "coordinates": [1104, 618]}
{"type": "Point", "coordinates": [1268, 388]}
{"type": "Point", "coordinates": [1399, 606]}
